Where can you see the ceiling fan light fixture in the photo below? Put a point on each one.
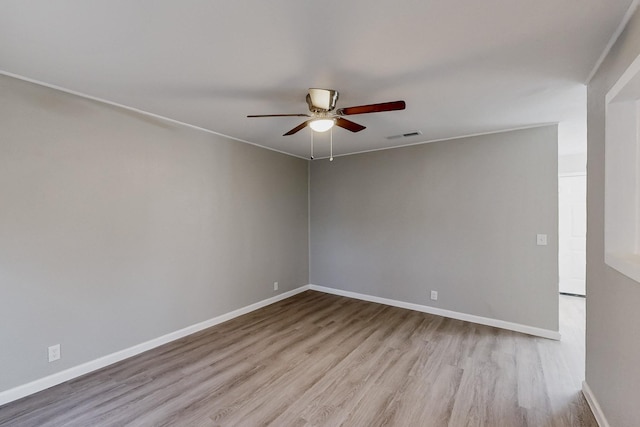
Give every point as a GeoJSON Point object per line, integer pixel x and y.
{"type": "Point", "coordinates": [322, 125]}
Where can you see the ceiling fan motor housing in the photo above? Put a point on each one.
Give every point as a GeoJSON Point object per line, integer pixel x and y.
{"type": "Point", "coordinates": [322, 100]}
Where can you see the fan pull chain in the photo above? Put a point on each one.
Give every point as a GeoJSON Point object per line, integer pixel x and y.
{"type": "Point", "coordinates": [331, 145]}
{"type": "Point", "coordinates": [311, 143]}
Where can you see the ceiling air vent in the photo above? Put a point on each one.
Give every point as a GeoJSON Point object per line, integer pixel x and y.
{"type": "Point", "coordinates": [406, 135]}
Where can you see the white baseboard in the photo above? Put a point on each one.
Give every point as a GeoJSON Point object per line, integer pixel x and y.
{"type": "Point", "coordinates": [594, 405]}
{"type": "Point", "coordinates": [531, 330]}
{"type": "Point", "coordinates": [77, 371]}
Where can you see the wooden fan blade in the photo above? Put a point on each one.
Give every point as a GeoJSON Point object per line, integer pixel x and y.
{"type": "Point", "coordinates": [297, 128]}
{"type": "Point", "coordinates": [279, 115]}
{"type": "Point", "coordinates": [349, 125]}
{"type": "Point", "coordinates": [372, 108]}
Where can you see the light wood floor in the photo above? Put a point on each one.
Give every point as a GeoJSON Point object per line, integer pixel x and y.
{"type": "Point", "coordinates": [318, 359]}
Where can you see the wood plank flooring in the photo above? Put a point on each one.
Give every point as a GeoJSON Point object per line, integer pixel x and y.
{"type": "Point", "coordinates": [323, 360]}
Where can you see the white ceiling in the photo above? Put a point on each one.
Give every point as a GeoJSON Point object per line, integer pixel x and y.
{"type": "Point", "coordinates": [462, 66]}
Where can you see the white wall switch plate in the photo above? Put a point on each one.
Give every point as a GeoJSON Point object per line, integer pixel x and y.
{"type": "Point", "coordinates": [541, 239]}
{"type": "Point", "coordinates": [54, 352]}
{"type": "Point", "coordinates": [434, 295]}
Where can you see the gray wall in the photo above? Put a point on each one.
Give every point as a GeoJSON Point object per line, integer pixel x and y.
{"type": "Point", "coordinates": [613, 300]}
{"type": "Point", "coordinates": [459, 217]}
{"type": "Point", "coordinates": [116, 228]}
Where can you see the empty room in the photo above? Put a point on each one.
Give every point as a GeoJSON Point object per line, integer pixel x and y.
{"type": "Point", "coordinates": [332, 213]}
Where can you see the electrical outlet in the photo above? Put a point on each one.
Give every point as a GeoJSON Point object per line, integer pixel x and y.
{"type": "Point", "coordinates": [54, 352]}
{"type": "Point", "coordinates": [275, 286]}
{"type": "Point", "coordinates": [541, 239]}
{"type": "Point", "coordinates": [434, 295]}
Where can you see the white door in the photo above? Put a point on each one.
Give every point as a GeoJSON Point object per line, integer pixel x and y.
{"type": "Point", "coordinates": [572, 232]}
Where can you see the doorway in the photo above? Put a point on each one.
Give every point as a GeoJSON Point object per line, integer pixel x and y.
{"type": "Point", "coordinates": [572, 233]}
{"type": "Point", "coordinates": [572, 230]}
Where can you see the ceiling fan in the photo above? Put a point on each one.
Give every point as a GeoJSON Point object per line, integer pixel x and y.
{"type": "Point", "coordinates": [323, 115]}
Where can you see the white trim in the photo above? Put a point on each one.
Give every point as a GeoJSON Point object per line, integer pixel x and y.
{"type": "Point", "coordinates": [614, 38]}
{"type": "Point", "coordinates": [594, 405]}
{"type": "Point", "coordinates": [492, 132]}
{"type": "Point", "coordinates": [76, 371]}
{"type": "Point", "coordinates": [143, 112]}
{"type": "Point", "coordinates": [517, 327]}
{"type": "Point", "coordinates": [630, 73]}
